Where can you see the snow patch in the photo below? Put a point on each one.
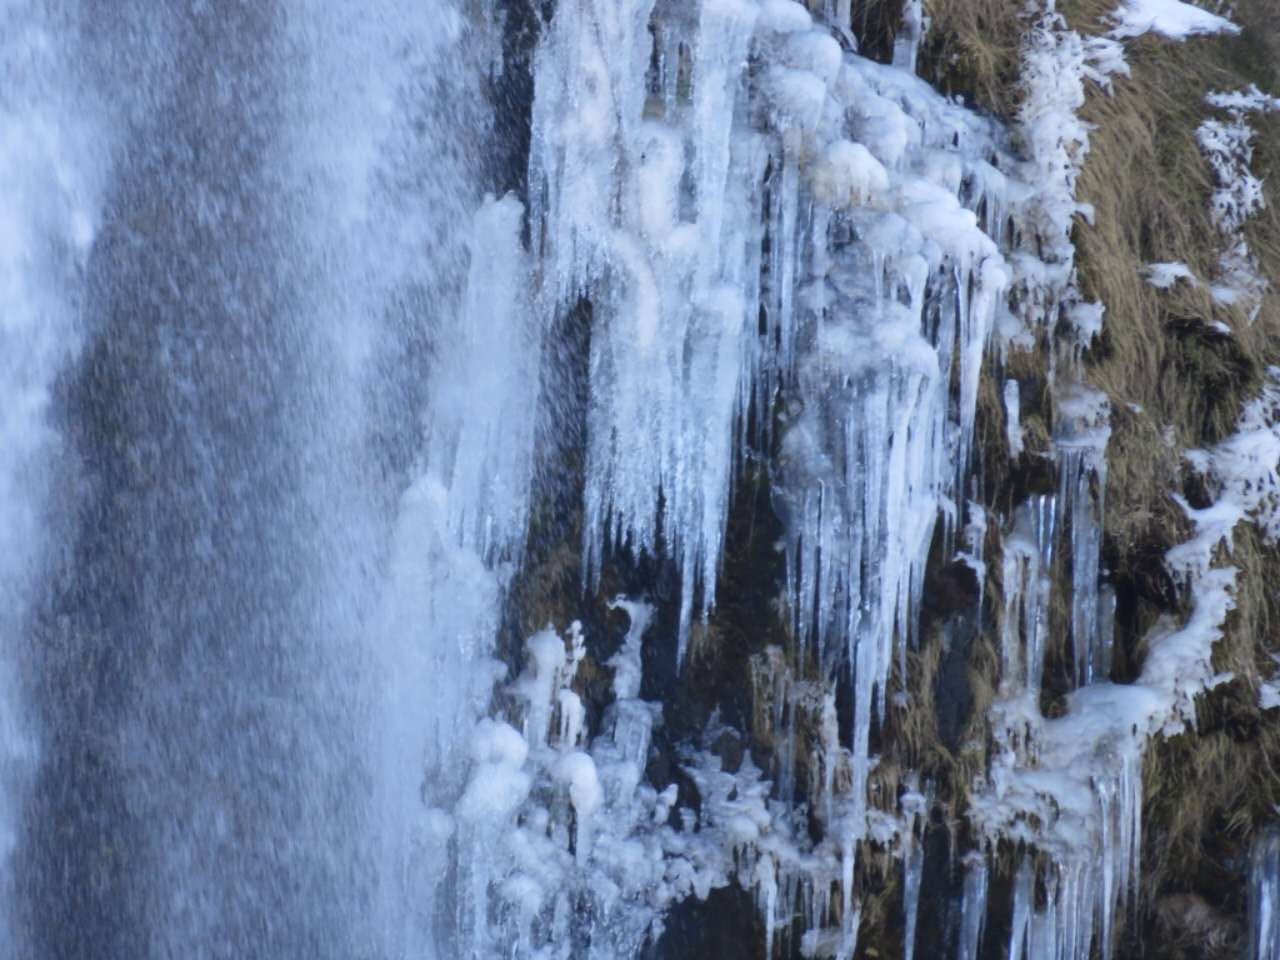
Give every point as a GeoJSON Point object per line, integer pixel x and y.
{"type": "Point", "coordinates": [1162, 276]}
{"type": "Point", "coordinates": [1169, 18]}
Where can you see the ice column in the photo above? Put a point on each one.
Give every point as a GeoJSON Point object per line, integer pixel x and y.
{"type": "Point", "coordinates": [1264, 896]}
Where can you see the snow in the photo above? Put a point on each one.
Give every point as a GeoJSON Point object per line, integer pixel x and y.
{"type": "Point", "coordinates": [1269, 695]}
{"type": "Point", "coordinates": [1244, 470]}
{"type": "Point", "coordinates": [1162, 276]}
{"type": "Point", "coordinates": [1169, 18]}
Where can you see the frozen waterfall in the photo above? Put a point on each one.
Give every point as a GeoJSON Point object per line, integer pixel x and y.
{"type": "Point", "coordinates": [390, 394]}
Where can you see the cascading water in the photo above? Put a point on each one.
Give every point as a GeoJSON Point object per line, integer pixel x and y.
{"type": "Point", "coordinates": [235, 235]}
{"type": "Point", "coordinates": [51, 162]}
{"type": "Point", "coordinates": [332, 470]}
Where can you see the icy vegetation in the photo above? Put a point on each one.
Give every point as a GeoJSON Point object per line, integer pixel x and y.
{"type": "Point", "coordinates": [1227, 145]}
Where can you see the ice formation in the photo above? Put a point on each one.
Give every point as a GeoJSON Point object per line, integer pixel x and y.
{"type": "Point", "coordinates": [1264, 896]}
{"type": "Point", "coordinates": [1228, 147]}
{"type": "Point", "coordinates": [781, 241]}
{"type": "Point", "coordinates": [565, 843]}
{"type": "Point", "coordinates": [480, 421]}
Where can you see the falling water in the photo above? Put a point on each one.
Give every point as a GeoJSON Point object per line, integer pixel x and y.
{"type": "Point", "coordinates": [234, 236]}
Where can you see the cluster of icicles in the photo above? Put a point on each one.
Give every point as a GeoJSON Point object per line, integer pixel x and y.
{"type": "Point", "coordinates": [785, 245]}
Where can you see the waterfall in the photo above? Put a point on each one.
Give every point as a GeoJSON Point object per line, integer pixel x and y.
{"type": "Point", "coordinates": [235, 238]}
{"type": "Point", "coordinates": [52, 161]}
{"type": "Point", "coordinates": [496, 478]}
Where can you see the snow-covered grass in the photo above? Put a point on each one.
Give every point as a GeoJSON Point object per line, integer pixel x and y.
{"type": "Point", "coordinates": [1173, 19]}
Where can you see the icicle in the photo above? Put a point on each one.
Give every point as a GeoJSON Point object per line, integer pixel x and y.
{"type": "Point", "coordinates": [915, 808]}
{"type": "Point", "coordinates": [1013, 428]}
{"type": "Point", "coordinates": [1264, 896]}
{"type": "Point", "coordinates": [974, 912]}
{"type": "Point", "coordinates": [1020, 925]}
{"type": "Point", "coordinates": [906, 45]}
{"type": "Point", "coordinates": [1082, 435]}
{"type": "Point", "coordinates": [649, 219]}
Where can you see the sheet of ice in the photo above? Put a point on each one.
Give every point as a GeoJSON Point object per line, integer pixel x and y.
{"type": "Point", "coordinates": [458, 538]}
{"type": "Point", "coordinates": [481, 415]}
{"type": "Point", "coordinates": [439, 619]}
{"type": "Point", "coordinates": [1169, 18]}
